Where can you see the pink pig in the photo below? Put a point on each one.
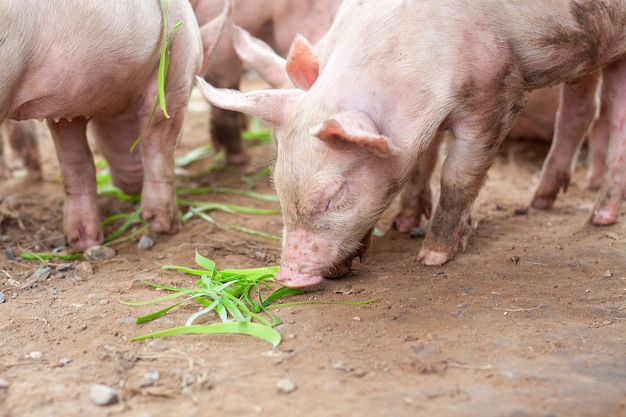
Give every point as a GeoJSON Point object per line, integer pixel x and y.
{"type": "Point", "coordinates": [385, 80]}
{"type": "Point", "coordinates": [78, 62]}
{"type": "Point", "coordinates": [274, 21]}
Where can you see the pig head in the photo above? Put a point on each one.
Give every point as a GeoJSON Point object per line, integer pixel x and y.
{"type": "Point", "coordinates": [334, 176]}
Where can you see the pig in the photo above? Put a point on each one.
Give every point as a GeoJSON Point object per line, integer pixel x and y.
{"type": "Point", "coordinates": [387, 78]}
{"type": "Point", "coordinates": [78, 62]}
{"type": "Point", "coordinates": [274, 21]}
{"type": "Point", "coordinates": [535, 121]}
{"type": "Point", "coordinates": [23, 140]}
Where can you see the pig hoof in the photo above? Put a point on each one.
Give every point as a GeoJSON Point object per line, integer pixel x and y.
{"type": "Point", "coordinates": [404, 224]}
{"type": "Point", "coordinates": [603, 218]}
{"type": "Point", "coordinates": [543, 202]}
{"type": "Point", "coordinates": [433, 258]}
{"type": "Point", "coordinates": [237, 159]}
{"type": "Point", "coordinates": [82, 243]}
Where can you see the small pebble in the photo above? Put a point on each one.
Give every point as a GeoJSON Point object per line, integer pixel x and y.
{"type": "Point", "coordinates": [4, 383]}
{"type": "Point", "coordinates": [9, 253]}
{"type": "Point", "coordinates": [145, 243]}
{"type": "Point", "coordinates": [35, 355]}
{"type": "Point", "coordinates": [41, 274]}
{"type": "Point", "coordinates": [285, 386]}
{"type": "Point", "coordinates": [99, 253]}
{"type": "Point", "coordinates": [13, 282]}
{"type": "Point", "coordinates": [149, 378]}
{"type": "Point", "coordinates": [54, 291]}
{"type": "Point", "coordinates": [520, 211]}
{"type": "Point", "coordinates": [84, 268]}
{"type": "Point", "coordinates": [2, 298]}
{"type": "Point", "coordinates": [356, 318]}
{"type": "Point", "coordinates": [417, 232]}
{"type": "Point", "coordinates": [64, 266]}
{"type": "Point", "coordinates": [64, 361]}
{"type": "Point", "coordinates": [103, 395]}
{"type": "Point", "coordinates": [607, 274]}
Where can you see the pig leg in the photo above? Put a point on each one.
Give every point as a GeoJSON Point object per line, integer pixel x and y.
{"type": "Point", "coordinates": [23, 141]}
{"type": "Point", "coordinates": [613, 189]}
{"type": "Point", "coordinates": [472, 152]}
{"type": "Point", "coordinates": [416, 199]}
{"type": "Point", "coordinates": [598, 142]}
{"type": "Point", "coordinates": [114, 138]}
{"type": "Point", "coordinates": [80, 218]}
{"type": "Point", "coordinates": [4, 169]}
{"type": "Point", "coordinates": [226, 127]}
{"type": "Point", "coordinates": [577, 109]}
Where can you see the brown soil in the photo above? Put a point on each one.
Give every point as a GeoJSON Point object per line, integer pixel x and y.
{"type": "Point", "coordinates": [529, 321]}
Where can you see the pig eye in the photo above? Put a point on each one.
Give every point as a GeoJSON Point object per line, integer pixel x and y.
{"type": "Point", "coordinates": [334, 200]}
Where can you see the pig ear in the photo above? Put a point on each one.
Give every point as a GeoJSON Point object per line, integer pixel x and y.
{"type": "Point", "coordinates": [303, 64]}
{"type": "Point", "coordinates": [260, 56]}
{"type": "Point", "coordinates": [269, 105]}
{"type": "Point", "coordinates": [352, 129]}
{"type": "Point", "coordinates": [211, 32]}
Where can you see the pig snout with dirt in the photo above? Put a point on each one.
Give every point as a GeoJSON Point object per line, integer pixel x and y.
{"type": "Point", "coordinates": [77, 62]}
{"type": "Point", "coordinates": [23, 140]}
{"type": "Point", "coordinates": [385, 80]}
{"type": "Point", "coordinates": [274, 21]}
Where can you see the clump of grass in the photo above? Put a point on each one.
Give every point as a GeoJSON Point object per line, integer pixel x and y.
{"type": "Point", "coordinates": [236, 296]}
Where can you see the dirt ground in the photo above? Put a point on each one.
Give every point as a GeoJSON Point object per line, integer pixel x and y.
{"type": "Point", "coordinates": [529, 321]}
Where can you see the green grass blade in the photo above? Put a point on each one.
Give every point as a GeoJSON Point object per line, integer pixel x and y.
{"type": "Point", "coordinates": [205, 263]}
{"type": "Point", "coordinates": [251, 329]}
{"type": "Point", "coordinates": [29, 256]}
{"type": "Point", "coordinates": [157, 314]}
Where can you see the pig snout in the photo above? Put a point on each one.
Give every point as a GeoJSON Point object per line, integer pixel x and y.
{"type": "Point", "coordinates": [308, 259]}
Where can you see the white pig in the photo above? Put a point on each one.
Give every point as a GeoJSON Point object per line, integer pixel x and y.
{"type": "Point", "coordinates": [78, 61]}
{"type": "Point", "coordinates": [386, 79]}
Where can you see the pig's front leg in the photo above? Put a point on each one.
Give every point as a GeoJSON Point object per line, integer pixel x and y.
{"type": "Point", "coordinates": [80, 218]}
{"type": "Point", "coordinates": [416, 199]}
{"type": "Point", "coordinates": [226, 127]}
{"type": "Point", "coordinates": [613, 189]}
{"type": "Point", "coordinates": [577, 110]}
{"type": "Point", "coordinates": [472, 152]}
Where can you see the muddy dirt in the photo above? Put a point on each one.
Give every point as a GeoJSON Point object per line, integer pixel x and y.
{"type": "Point", "coordinates": [529, 321]}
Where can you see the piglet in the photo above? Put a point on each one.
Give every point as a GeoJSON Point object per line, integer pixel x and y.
{"type": "Point", "coordinates": [386, 79]}
{"type": "Point", "coordinates": [79, 62]}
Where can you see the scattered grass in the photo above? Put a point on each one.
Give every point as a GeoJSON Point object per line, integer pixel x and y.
{"type": "Point", "coordinates": [236, 296]}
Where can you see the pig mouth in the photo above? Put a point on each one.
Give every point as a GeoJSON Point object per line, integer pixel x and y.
{"type": "Point", "coordinates": [296, 277]}
{"type": "Point", "coordinates": [344, 267]}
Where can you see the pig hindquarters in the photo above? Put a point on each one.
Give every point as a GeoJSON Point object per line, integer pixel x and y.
{"type": "Point", "coordinates": [274, 21]}
{"type": "Point", "coordinates": [349, 138]}
{"type": "Point", "coordinates": [97, 62]}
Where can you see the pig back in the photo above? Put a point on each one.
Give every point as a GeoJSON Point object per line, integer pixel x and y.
{"type": "Point", "coordinates": [81, 58]}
